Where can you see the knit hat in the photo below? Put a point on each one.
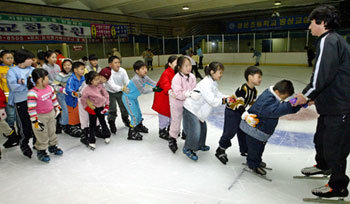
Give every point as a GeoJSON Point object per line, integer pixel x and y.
{"type": "Point", "coordinates": [106, 72]}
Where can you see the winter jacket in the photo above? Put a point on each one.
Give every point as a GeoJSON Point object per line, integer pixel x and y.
{"type": "Point", "coordinates": [210, 97]}
{"type": "Point", "coordinates": [97, 95]}
{"type": "Point", "coordinates": [161, 99]}
{"type": "Point", "coordinates": [329, 86]}
{"type": "Point", "coordinates": [137, 85]}
{"type": "Point", "coordinates": [61, 80]}
{"type": "Point", "coordinates": [73, 85]}
{"type": "Point", "coordinates": [268, 108]}
{"type": "Point", "coordinates": [18, 90]}
{"type": "Point", "coordinates": [2, 99]}
{"type": "Point", "coordinates": [117, 80]}
{"type": "Point", "coordinates": [3, 82]}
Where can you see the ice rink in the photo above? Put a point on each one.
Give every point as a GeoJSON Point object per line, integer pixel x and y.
{"type": "Point", "coordinates": [148, 172]}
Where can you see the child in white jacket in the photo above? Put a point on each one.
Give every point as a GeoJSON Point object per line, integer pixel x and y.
{"type": "Point", "coordinates": [197, 111]}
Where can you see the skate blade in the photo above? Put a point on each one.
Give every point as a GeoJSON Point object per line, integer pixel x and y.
{"type": "Point", "coordinates": [312, 177]}
{"type": "Point", "coordinates": [266, 168]}
{"type": "Point", "coordinates": [324, 200]}
{"type": "Point", "coordinates": [258, 175]}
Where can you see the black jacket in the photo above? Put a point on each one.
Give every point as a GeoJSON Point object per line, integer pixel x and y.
{"type": "Point", "coordinates": [329, 86]}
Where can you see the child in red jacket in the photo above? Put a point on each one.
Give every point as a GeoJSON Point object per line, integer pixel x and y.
{"type": "Point", "coordinates": [161, 99]}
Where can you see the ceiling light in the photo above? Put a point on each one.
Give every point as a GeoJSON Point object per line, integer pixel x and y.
{"type": "Point", "coordinates": [185, 8]}
{"type": "Point", "coordinates": [277, 3]}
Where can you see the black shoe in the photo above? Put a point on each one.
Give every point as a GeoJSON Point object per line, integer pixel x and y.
{"type": "Point", "coordinates": [164, 134]}
{"type": "Point", "coordinates": [172, 144]}
{"type": "Point", "coordinates": [183, 135]}
{"type": "Point", "coordinates": [13, 140]}
{"type": "Point", "coordinates": [42, 156]}
{"type": "Point", "coordinates": [26, 150]}
{"type": "Point", "coordinates": [259, 171]}
{"type": "Point", "coordinates": [126, 122]}
{"type": "Point", "coordinates": [134, 135]}
{"type": "Point", "coordinates": [221, 155]}
{"type": "Point", "coordinates": [141, 128]}
{"type": "Point", "coordinates": [55, 150]}
{"type": "Point", "coordinates": [112, 126]}
{"type": "Point", "coordinates": [327, 192]}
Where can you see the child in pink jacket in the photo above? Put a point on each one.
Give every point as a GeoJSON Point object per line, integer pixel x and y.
{"type": "Point", "coordinates": [181, 87]}
{"type": "Point", "coordinates": [99, 106]}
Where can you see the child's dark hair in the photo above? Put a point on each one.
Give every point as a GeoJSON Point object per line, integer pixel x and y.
{"type": "Point", "coordinates": [41, 55]}
{"type": "Point", "coordinates": [251, 71]}
{"type": "Point", "coordinates": [84, 58]}
{"type": "Point", "coordinates": [111, 58]}
{"type": "Point", "coordinates": [328, 14]}
{"type": "Point", "coordinates": [4, 52]}
{"type": "Point", "coordinates": [48, 54]}
{"type": "Point", "coordinates": [76, 65]}
{"type": "Point", "coordinates": [58, 51]}
{"type": "Point", "coordinates": [138, 64]}
{"type": "Point", "coordinates": [93, 57]}
{"type": "Point", "coordinates": [90, 76]}
{"type": "Point", "coordinates": [64, 61]}
{"type": "Point", "coordinates": [213, 66]}
{"type": "Point", "coordinates": [171, 59]}
{"type": "Point", "coordinates": [180, 62]}
{"type": "Point", "coordinates": [35, 76]}
{"type": "Point", "coordinates": [284, 87]}
{"type": "Point", "coordinates": [22, 55]}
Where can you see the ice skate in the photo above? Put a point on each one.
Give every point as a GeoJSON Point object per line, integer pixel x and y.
{"type": "Point", "coordinates": [221, 155]}
{"type": "Point", "coordinates": [172, 144]}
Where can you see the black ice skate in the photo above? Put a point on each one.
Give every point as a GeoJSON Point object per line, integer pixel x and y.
{"type": "Point", "coordinates": [172, 144]}
{"type": "Point", "coordinates": [26, 150]}
{"type": "Point", "coordinates": [55, 150]}
{"type": "Point", "coordinates": [134, 135]}
{"type": "Point", "coordinates": [164, 134]}
{"type": "Point", "coordinates": [112, 126]}
{"type": "Point", "coordinates": [141, 128]}
{"type": "Point", "coordinates": [327, 192]}
{"type": "Point", "coordinates": [12, 140]}
{"type": "Point", "coordinates": [221, 155]}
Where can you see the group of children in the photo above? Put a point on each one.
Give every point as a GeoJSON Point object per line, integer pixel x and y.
{"type": "Point", "coordinates": [76, 99]}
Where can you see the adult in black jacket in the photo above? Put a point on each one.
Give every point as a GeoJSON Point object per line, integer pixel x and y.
{"type": "Point", "coordinates": [329, 88]}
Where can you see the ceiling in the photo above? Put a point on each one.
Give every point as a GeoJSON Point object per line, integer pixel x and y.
{"type": "Point", "coordinates": [170, 9]}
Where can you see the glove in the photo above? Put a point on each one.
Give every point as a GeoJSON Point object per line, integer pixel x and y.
{"type": "Point", "coordinates": [125, 89]}
{"type": "Point", "coordinates": [58, 112]}
{"type": "Point", "coordinates": [90, 111]}
{"type": "Point", "coordinates": [194, 94]}
{"type": "Point", "coordinates": [250, 119]}
{"type": "Point", "coordinates": [90, 104]}
{"type": "Point", "coordinates": [76, 94]}
{"type": "Point", "coordinates": [294, 100]}
{"type": "Point", "coordinates": [105, 110]}
{"type": "Point", "coordinates": [157, 89]}
{"type": "Point", "coordinates": [3, 114]}
{"type": "Point", "coordinates": [37, 125]}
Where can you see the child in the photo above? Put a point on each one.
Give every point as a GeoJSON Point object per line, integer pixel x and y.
{"type": "Point", "coordinates": [16, 80]}
{"type": "Point", "coordinates": [5, 129]}
{"type": "Point", "coordinates": [195, 112]}
{"type": "Point", "coordinates": [115, 86]}
{"type": "Point", "coordinates": [136, 87]}
{"type": "Point", "coordinates": [60, 88]}
{"type": "Point", "coordinates": [72, 87]}
{"type": "Point", "coordinates": [43, 109]}
{"type": "Point", "coordinates": [50, 65]}
{"type": "Point", "coordinates": [6, 57]}
{"type": "Point", "coordinates": [181, 87]}
{"type": "Point", "coordinates": [161, 99]}
{"type": "Point", "coordinates": [41, 59]}
{"type": "Point", "coordinates": [268, 108]}
{"type": "Point", "coordinates": [93, 64]}
{"type": "Point", "coordinates": [246, 95]}
{"type": "Point", "coordinates": [99, 97]}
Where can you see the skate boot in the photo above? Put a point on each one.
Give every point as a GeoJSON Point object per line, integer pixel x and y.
{"type": "Point", "coordinates": [75, 131]}
{"type": "Point", "coordinates": [190, 154]}
{"type": "Point", "coordinates": [55, 150]}
{"type": "Point", "coordinates": [183, 135]}
{"type": "Point", "coordinates": [172, 144]}
{"type": "Point", "coordinates": [13, 140]}
{"type": "Point", "coordinates": [263, 164]}
{"type": "Point", "coordinates": [204, 148]}
{"type": "Point", "coordinates": [42, 156]}
{"type": "Point", "coordinates": [221, 155]}
{"type": "Point", "coordinates": [327, 192]}
{"type": "Point", "coordinates": [112, 126]}
{"type": "Point", "coordinates": [92, 146]}
{"type": "Point", "coordinates": [26, 150]}
{"type": "Point", "coordinates": [134, 135]}
{"type": "Point", "coordinates": [164, 134]}
{"type": "Point", "coordinates": [126, 121]}
{"type": "Point", "coordinates": [308, 171]}
{"type": "Point", "coordinates": [259, 171]}
{"type": "Point", "coordinates": [99, 132]}
{"type": "Point", "coordinates": [141, 128]}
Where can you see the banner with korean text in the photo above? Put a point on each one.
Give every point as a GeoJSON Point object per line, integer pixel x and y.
{"type": "Point", "coordinates": [36, 29]}
{"type": "Point", "coordinates": [108, 30]}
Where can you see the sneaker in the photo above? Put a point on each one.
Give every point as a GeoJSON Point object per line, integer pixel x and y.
{"type": "Point", "coordinates": [172, 144]}
{"type": "Point", "coordinates": [112, 126]}
{"type": "Point", "coordinates": [221, 155]}
{"type": "Point", "coordinates": [134, 135]}
{"type": "Point", "coordinates": [327, 192]}
{"type": "Point", "coordinates": [107, 140]}
{"type": "Point", "coordinates": [42, 156]}
{"type": "Point", "coordinates": [308, 171]}
{"type": "Point", "coordinates": [164, 134]}
{"type": "Point", "coordinates": [55, 150]}
{"type": "Point", "coordinates": [204, 148]}
{"type": "Point", "coordinates": [190, 154]}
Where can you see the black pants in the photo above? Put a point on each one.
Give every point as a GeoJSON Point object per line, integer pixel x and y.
{"type": "Point", "coordinates": [255, 151]}
{"type": "Point", "coordinates": [24, 124]}
{"type": "Point", "coordinates": [231, 127]}
{"type": "Point", "coordinates": [332, 144]}
{"type": "Point", "coordinates": [200, 62]}
{"type": "Point", "coordinates": [149, 64]}
{"type": "Point", "coordinates": [93, 128]}
{"type": "Point", "coordinates": [197, 74]}
{"type": "Point", "coordinates": [309, 60]}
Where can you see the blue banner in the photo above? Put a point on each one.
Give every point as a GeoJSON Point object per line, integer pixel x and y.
{"type": "Point", "coordinates": [277, 23]}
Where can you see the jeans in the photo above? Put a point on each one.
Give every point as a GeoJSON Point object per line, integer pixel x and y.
{"type": "Point", "coordinates": [255, 151]}
{"type": "Point", "coordinates": [195, 130]}
{"type": "Point", "coordinates": [62, 101]}
{"type": "Point", "coordinates": [11, 115]}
